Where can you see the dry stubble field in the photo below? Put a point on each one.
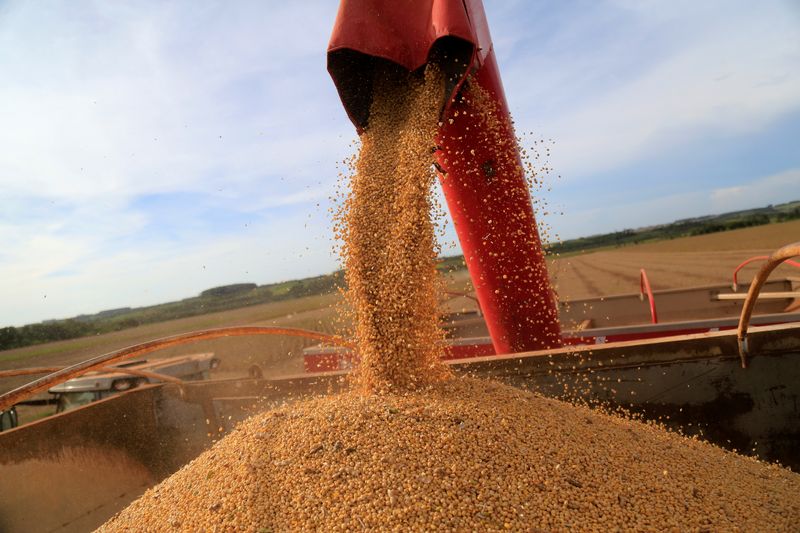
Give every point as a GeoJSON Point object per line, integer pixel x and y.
{"type": "Point", "coordinates": [684, 262]}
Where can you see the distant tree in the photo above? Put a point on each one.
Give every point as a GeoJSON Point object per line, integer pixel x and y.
{"type": "Point", "coordinates": [228, 290]}
{"type": "Point", "coordinates": [9, 338]}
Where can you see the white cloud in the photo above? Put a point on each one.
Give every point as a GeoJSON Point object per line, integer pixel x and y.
{"type": "Point", "coordinates": [776, 188]}
{"type": "Point", "coordinates": [106, 105]}
{"type": "Point", "coordinates": [116, 101]}
{"type": "Point", "coordinates": [772, 189]}
{"type": "Point", "coordinates": [52, 279]}
{"type": "Point", "coordinates": [661, 75]}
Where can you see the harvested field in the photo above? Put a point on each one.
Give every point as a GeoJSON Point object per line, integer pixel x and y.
{"type": "Point", "coordinates": [767, 237]}
{"type": "Point", "coordinates": [273, 354]}
{"type": "Point", "coordinates": [690, 261]}
{"type": "Point", "coordinates": [670, 264]}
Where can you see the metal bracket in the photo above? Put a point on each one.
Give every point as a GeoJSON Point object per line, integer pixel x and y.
{"type": "Point", "coordinates": [743, 351]}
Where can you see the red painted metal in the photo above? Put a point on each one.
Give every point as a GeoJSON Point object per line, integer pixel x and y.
{"type": "Point", "coordinates": [644, 288]}
{"type": "Point", "coordinates": [369, 31]}
{"type": "Point", "coordinates": [483, 179]}
{"type": "Point", "coordinates": [458, 349]}
{"type": "Point", "coordinates": [640, 335]}
{"type": "Point", "coordinates": [751, 260]}
{"type": "Point", "coordinates": [467, 350]}
{"type": "Point", "coordinates": [488, 197]}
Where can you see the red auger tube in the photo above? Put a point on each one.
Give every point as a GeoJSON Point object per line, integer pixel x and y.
{"type": "Point", "coordinates": [482, 175]}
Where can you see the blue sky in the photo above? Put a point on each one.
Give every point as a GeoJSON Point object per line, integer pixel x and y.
{"type": "Point", "coordinates": [153, 150]}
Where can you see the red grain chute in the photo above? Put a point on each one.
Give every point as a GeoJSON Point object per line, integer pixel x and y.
{"type": "Point", "coordinates": [488, 199]}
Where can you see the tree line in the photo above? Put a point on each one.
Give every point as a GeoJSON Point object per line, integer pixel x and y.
{"type": "Point", "coordinates": [209, 301]}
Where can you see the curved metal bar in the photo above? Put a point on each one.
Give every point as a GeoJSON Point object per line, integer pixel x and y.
{"type": "Point", "coordinates": [143, 374]}
{"type": "Point", "coordinates": [748, 261]}
{"type": "Point", "coordinates": [10, 398]}
{"type": "Point", "coordinates": [29, 371]}
{"type": "Point", "coordinates": [50, 369]}
{"type": "Point", "coordinates": [644, 288]}
{"type": "Point", "coordinates": [778, 256]}
{"type": "Point", "coordinates": [109, 369]}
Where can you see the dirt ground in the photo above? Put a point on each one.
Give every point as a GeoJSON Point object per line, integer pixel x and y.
{"type": "Point", "coordinates": [685, 262]}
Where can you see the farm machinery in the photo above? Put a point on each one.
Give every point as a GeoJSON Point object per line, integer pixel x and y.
{"type": "Point", "coordinates": [709, 360]}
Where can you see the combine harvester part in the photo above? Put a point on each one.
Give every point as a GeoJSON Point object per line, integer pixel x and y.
{"type": "Point", "coordinates": [483, 182]}
{"type": "Point", "coordinates": [773, 261]}
{"type": "Point", "coordinates": [644, 289]}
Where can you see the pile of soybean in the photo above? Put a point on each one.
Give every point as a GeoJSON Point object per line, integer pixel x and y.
{"type": "Point", "coordinates": [411, 447]}
{"type": "Point", "coordinates": [465, 454]}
